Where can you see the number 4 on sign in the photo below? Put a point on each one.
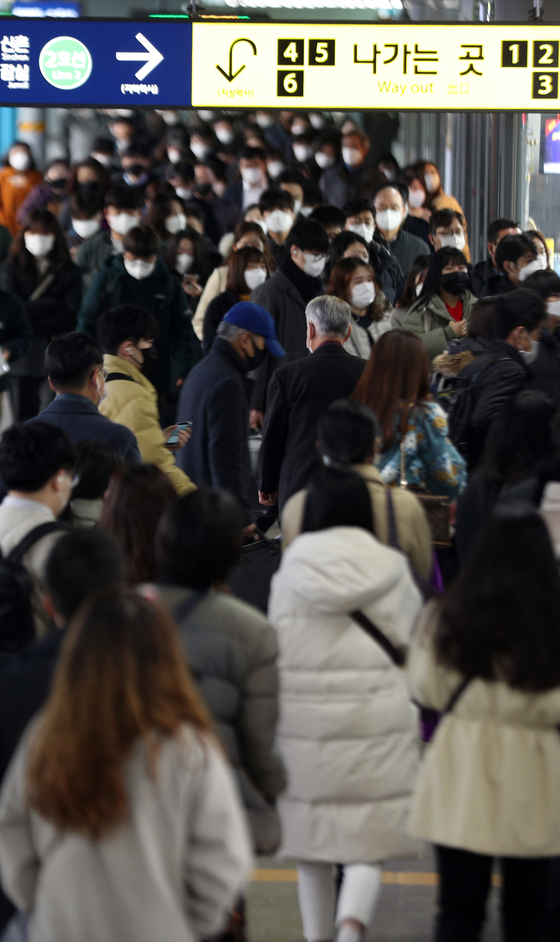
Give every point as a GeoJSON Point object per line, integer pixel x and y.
{"type": "Point", "coordinates": [291, 52]}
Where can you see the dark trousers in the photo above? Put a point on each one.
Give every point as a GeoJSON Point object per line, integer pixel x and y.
{"type": "Point", "coordinates": [463, 891]}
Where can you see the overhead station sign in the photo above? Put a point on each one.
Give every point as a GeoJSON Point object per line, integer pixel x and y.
{"type": "Point", "coordinates": [95, 62]}
{"type": "Point", "coordinates": [393, 67]}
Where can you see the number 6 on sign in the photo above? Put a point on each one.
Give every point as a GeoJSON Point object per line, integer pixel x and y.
{"type": "Point", "coordinates": [290, 84]}
{"type": "Point", "coordinates": [545, 84]}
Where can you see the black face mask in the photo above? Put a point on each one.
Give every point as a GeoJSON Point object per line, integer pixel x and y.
{"type": "Point", "coordinates": [255, 361]}
{"type": "Point", "coordinates": [135, 170]}
{"type": "Point", "coordinates": [91, 187]}
{"type": "Point", "coordinates": [58, 184]}
{"type": "Point", "coordinates": [455, 282]}
{"type": "Point", "coordinates": [203, 189]}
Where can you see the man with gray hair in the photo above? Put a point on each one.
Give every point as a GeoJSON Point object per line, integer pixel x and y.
{"type": "Point", "coordinates": [214, 399]}
{"type": "Point", "coordinates": [298, 394]}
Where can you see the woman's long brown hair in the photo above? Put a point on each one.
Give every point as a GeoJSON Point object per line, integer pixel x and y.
{"type": "Point", "coordinates": [396, 377]}
{"type": "Point", "coordinates": [121, 677]}
{"type": "Point", "coordinates": [339, 283]}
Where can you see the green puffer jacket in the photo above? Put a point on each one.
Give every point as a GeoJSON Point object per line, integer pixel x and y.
{"type": "Point", "coordinates": [430, 320]}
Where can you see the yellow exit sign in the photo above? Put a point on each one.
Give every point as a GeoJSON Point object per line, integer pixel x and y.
{"type": "Point", "coordinates": [487, 67]}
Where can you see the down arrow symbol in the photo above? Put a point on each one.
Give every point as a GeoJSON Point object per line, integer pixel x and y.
{"type": "Point", "coordinates": [231, 75]}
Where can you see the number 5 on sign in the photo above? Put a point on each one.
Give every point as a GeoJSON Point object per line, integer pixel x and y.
{"type": "Point", "coordinates": [290, 84]}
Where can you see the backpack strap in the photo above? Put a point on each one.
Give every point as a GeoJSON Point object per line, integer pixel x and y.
{"type": "Point", "coordinates": [185, 608]}
{"type": "Point", "coordinates": [34, 535]}
{"type": "Point", "coordinates": [112, 376]}
{"type": "Point", "coordinates": [397, 655]}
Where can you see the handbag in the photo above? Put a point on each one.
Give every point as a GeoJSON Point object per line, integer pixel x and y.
{"type": "Point", "coordinates": [250, 579]}
{"type": "Point", "coordinates": [436, 507]}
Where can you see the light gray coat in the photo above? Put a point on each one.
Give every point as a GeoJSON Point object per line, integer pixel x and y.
{"type": "Point", "coordinates": [171, 871]}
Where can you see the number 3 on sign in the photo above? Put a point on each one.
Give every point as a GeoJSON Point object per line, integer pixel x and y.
{"type": "Point", "coordinates": [545, 84]}
{"type": "Point", "coordinates": [290, 84]}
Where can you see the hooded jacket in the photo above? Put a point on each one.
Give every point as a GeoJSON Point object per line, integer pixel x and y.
{"type": "Point", "coordinates": [133, 403]}
{"type": "Point", "coordinates": [348, 733]}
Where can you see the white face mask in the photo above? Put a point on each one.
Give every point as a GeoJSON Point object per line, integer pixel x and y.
{"type": "Point", "coordinates": [418, 289]}
{"type": "Point", "coordinates": [219, 188]}
{"type": "Point", "coordinates": [456, 241]}
{"type": "Point", "coordinates": [351, 156]}
{"type": "Point", "coordinates": [298, 129]}
{"type": "Point", "coordinates": [264, 120]}
{"type": "Point", "coordinates": [86, 228]}
{"type": "Point", "coordinates": [170, 117]}
{"type": "Point", "coordinates": [530, 355]}
{"type": "Point", "coordinates": [102, 390]}
{"type": "Point", "coordinates": [297, 206]}
{"type": "Point", "coordinates": [363, 295]}
{"type": "Point", "coordinates": [302, 152]}
{"type": "Point", "coordinates": [183, 262]}
{"type": "Point", "coordinates": [362, 229]}
{"type": "Point", "coordinates": [20, 160]}
{"type": "Point", "coordinates": [416, 198]}
{"type": "Point", "coordinates": [254, 277]}
{"type": "Point", "coordinates": [314, 264]}
{"type": "Point", "coordinates": [138, 268]}
{"type": "Point", "coordinates": [389, 219]}
{"type": "Point", "coordinates": [225, 135]}
{"type": "Point", "coordinates": [173, 155]}
{"type": "Point", "coordinates": [200, 150]}
{"type": "Point", "coordinates": [323, 160]}
{"type": "Point", "coordinates": [122, 223]}
{"type": "Point", "coordinates": [317, 121]}
{"type": "Point", "coordinates": [252, 175]}
{"type": "Point", "coordinates": [104, 159]}
{"type": "Point", "coordinates": [183, 193]}
{"type": "Point", "coordinates": [206, 116]}
{"type": "Point", "coordinates": [274, 167]}
{"type": "Point", "coordinates": [38, 245]}
{"type": "Point", "coordinates": [553, 307]}
{"type": "Point", "coordinates": [176, 223]}
{"type": "Point", "coordinates": [538, 264]}
{"type": "Point", "coordinates": [306, 210]}
{"type": "Point", "coordinates": [432, 182]}
{"type": "Point", "coordinates": [279, 221]}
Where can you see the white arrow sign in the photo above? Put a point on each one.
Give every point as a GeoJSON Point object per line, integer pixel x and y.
{"type": "Point", "coordinates": [152, 57]}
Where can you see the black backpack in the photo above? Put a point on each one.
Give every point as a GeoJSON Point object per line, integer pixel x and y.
{"type": "Point", "coordinates": [17, 625]}
{"type": "Point", "coordinates": [463, 406]}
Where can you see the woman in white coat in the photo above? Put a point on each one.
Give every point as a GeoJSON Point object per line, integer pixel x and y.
{"type": "Point", "coordinates": [489, 654]}
{"type": "Point", "coordinates": [347, 732]}
{"type": "Point", "coordinates": [119, 818]}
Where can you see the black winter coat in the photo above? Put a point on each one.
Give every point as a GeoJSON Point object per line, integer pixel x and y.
{"type": "Point", "coordinates": [545, 371]}
{"type": "Point", "coordinates": [52, 314]}
{"type": "Point", "coordinates": [176, 346]}
{"type": "Point", "coordinates": [298, 394]}
{"type": "Point", "coordinates": [15, 330]}
{"type": "Point", "coordinates": [214, 399]}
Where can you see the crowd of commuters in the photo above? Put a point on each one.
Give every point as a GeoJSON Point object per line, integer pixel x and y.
{"type": "Point", "coordinates": [179, 293]}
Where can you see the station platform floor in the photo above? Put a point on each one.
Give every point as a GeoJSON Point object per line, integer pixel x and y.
{"type": "Point", "coordinates": [405, 910]}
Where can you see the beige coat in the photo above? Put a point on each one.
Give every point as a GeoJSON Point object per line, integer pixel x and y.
{"type": "Point", "coordinates": [490, 780]}
{"type": "Point", "coordinates": [412, 526]}
{"type": "Point", "coordinates": [15, 523]}
{"type": "Point", "coordinates": [215, 285]}
{"type": "Point", "coordinates": [134, 404]}
{"type": "Point", "coordinates": [170, 872]}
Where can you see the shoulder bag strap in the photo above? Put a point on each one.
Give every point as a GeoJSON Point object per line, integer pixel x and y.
{"type": "Point", "coordinates": [15, 555]}
{"type": "Point", "coordinates": [392, 531]}
{"type": "Point", "coordinates": [456, 695]}
{"type": "Point", "coordinates": [397, 655]}
{"type": "Point", "coordinates": [42, 287]}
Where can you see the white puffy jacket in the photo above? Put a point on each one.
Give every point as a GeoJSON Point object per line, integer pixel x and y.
{"type": "Point", "coordinates": [348, 733]}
